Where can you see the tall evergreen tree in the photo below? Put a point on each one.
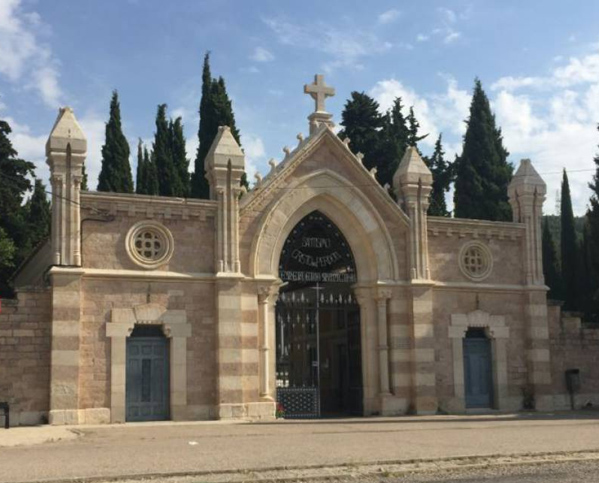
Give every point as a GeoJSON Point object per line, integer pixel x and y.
{"type": "Point", "coordinates": [215, 110]}
{"type": "Point", "coordinates": [362, 124]}
{"type": "Point", "coordinates": [151, 184]}
{"type": "Point", "coordinates": [115, 174]}
{"type": "Point", "coordinates": [482, 172]}
{"type": "Point", "coordinates": [39, 215]}
{"type": "Point", "coordinates": [569, 248]}
{"type": "Point", "coordinates": [442, 177]}
{"type": "Point", "coordinates": [593, 227]}
{"type": "Point", "coordinates": [140, 176]}
{"type": "Point", "coordinates": [394, 142]}
{"type": "Point", "coordinates": [179, 158]}
{"type": "Point", "coordinates": [588, 280]}
{"type": "Point", "coordinates": [551, 268]}
{"type": "Point", "coordinates": [14, 183]}
{"type": "Point", "coordinates": [84, 185]}
{"type": "Point", "coordinates": [162, 156]}
{"type": "Point", "coordinates": [413, 129]}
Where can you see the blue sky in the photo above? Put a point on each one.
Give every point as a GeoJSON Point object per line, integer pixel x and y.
{"type": "Point", "coordinates": [538, 61]}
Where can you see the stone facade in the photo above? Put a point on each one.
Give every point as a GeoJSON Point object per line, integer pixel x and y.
{"type": "Point", "coordinates": [206, 273]}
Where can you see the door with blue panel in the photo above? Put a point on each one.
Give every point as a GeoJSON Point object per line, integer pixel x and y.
{"type": "Point", "coordinates": [147, 386]}
{"type": "Point", "coordinates": [478, 369]}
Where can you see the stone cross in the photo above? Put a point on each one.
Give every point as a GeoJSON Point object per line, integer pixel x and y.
{"type": "Point", "coordinates": [319, 91]}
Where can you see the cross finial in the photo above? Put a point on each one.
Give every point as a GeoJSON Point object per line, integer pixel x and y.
{"type": "Point", "coordinates": [319, 91]}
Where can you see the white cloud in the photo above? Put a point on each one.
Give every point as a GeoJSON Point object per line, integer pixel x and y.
{"type": "Point", "coordinates": [345, 47]}
{"type": "Point", "coordinates": [389, 16]}
{"type": "Point", "coordinates": [260, 54]}
{"type": "Point", "coordinates": [255, 154]}
{"type": "Point", "coordinates": [23, 56]}
{"type": "Point", "coordinates": [422, 38]}
{"type": "Point", "coordinates": [451, 36]}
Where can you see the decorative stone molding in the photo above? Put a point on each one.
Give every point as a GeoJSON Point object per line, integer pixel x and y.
{"type": "Point", "coordinates": [475, 261]}
{"type": "Point", "coordinates": [150, 207]}
{"type": "Point", "coordinates": [329, 193]}
{"type": "Point", "coordinates": [498, 333]}
{"type": "Point", "coordinates": [176, 329]}
{"type": "Point", "coordinates": [149, 244]}
{"type": "Point", "coordinates": [475, 229]}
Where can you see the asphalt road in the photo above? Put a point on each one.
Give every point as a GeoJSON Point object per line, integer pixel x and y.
{"type": "Point", "coordinates": [169, 448]}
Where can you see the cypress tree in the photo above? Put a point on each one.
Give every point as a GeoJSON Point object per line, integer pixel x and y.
{"type": "Point", "coordinates": [588, 286]}
{"type": "Point", "coordinates": [593, 227]}
{"type": "Point", "coordinates": [442, 177]}
{"type": "Point", "coordinates": [362, 124]}
{"type": "Point", "coordinates": [482, 170]}
{"type": "Point", "coordinates": [162, 156]}
{"type": "Point", "coordinates": [151, 175]}
{"type": "Point", "coordinates": [84, 185]}
{"type": "Point", "coordinates": [215, 110]}
{"type": "Point", "coordinates": [413, 128]}
{"type": "Point", "coordinates": [551, 269]}
{"type": "Point", "coordinates": [14, 183]}
{"type": "Point", "coordinates": [39, 215]}
{"type": "Point", "coordinates": [179, 158]}
{"type": "Point", "coordinates": [393, 144]}
{"type": "Point", "coordinates": [140, 176]}
{"type": "Point", "coordinates": [115, 174]}
{"type": "Point", "coordinates": [569, 248]}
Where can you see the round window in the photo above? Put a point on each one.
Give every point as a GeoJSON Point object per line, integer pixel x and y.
{"type": "Point", "coordinates": [149, 244]}
{"type": "Point", "coordinates": [476, 261]}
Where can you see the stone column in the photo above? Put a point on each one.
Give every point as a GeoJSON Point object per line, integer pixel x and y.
{"type": "Point", "coordinates": [382, 323]}
{"type": "Point", "coordinates": [267, 296]}
{"type": "Point", "coordinates": [369, 346]}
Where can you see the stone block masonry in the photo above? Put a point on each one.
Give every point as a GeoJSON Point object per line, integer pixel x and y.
{"type": "Point", "coordinates": [25, 327]}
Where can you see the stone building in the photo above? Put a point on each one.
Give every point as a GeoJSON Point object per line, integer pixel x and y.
{"type": "Point", "coordinates": [316, 288]}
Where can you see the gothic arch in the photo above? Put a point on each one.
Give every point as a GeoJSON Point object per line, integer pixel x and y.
{"type": "Point", "coordinates": [346, 206]}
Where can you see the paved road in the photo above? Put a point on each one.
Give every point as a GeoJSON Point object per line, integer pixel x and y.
{"type": "Point", "coordinates": [169, 448]}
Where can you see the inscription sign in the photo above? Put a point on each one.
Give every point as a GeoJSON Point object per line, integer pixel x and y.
{"type": "Point", "coordinates": [316, 251]}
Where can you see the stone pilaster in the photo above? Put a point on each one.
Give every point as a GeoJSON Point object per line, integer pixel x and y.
{"type": "Point", "coordinates": [412, 183]}
{"type": "Point", "coordinates": [370, 352]}
{"type": "Point", "coordinates": [527, 194]}
{"type": "Point", "coordinates": [424, 396]}
{"type": "Point", "coordinates": [225, 166]}
{"type": "Point", "coordinates": [229, 348]}
{"type": "Point", "coordinates": [66, 149]}
{"type": "Point", "coordinates": [64, 356]}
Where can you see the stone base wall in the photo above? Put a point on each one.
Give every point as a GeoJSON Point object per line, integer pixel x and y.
{"type": "Point", "coordinates": [573, 346]}
{"type": "Point", "coordinates": [25, 338]}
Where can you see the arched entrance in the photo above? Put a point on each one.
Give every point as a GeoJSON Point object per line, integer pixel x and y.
{"type": "Point", "coordinates": [318, 358]}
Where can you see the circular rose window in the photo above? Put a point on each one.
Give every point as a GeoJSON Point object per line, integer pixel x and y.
{"type": "Point", "coordinates": [149, 244]}
{"type": "Point", "coordinates": [476, 261]}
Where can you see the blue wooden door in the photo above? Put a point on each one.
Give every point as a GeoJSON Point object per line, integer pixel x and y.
{"type": "Point", "coordinates": [147, 387]}
{"type": "Point", "coordinates": [478, 374]}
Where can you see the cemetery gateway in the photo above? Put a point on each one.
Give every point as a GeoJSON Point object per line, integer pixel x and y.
{"type": "Point", "coordinates": [318, 289]}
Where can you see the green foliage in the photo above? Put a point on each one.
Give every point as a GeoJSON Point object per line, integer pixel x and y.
{"type": "Point", "coordinates": [140, 173]}
{"type": "Point", "coordinates": [7, 258]}
{"type": "Point", "coordinates": [395, 140]}
{"type": "Point", "coordinates": [162, 156]}
{"type": "Point", "coordinates": [362, 124]}
{"type": "Point", "coordinates": [84, 185]}
{"type": "Point", "coordinates": [413, 128]}
{"type": "Point", "coordinates": [482, 170]}
{"type": "Point", "coordinates": [569, 248]}
{"type": "Point", "coordinates": [551, 268]}
{"type": "Point", "coordinates": [180, 160]}
{"type": "Point", "coordinates": [39, 216]}
{"type": "Point", "coordinates": [588, 286]}
{"type": "Point", "coordinates": [215, 110]}
{"type": "Point", "coordinates": [592, 238]}
{"type": "Point", "coordinates": [115, 174]}
{"type": "Point", "coordinates": [442, 177]}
